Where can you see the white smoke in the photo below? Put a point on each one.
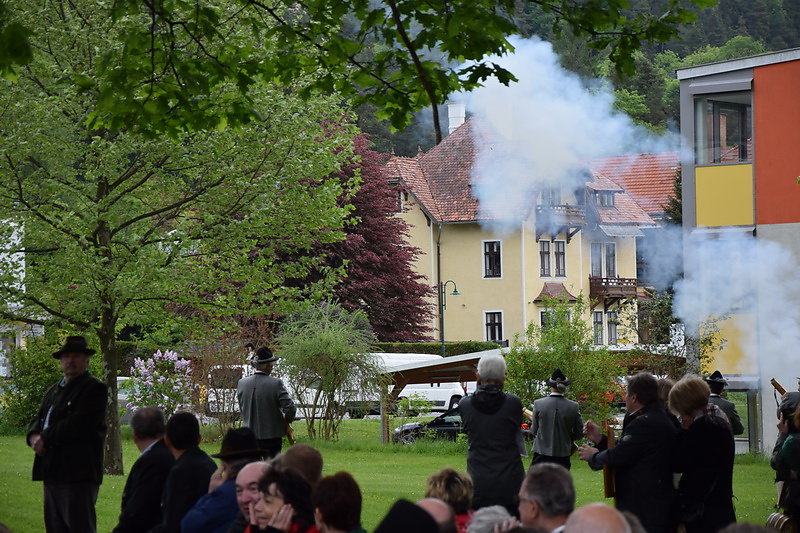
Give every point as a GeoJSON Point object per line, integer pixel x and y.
{"type": "Point", "coordinates": [543, 129]}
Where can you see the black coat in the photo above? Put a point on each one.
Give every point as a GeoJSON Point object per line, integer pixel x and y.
{"type": "Point", "coordinates": [642, 466]}
{"type": "Point", "coordinates": [704, 454]}
{"type": "Point", "coordinates": [76, 432]}
{"type": "Point", "coordinates": [186, 482]}
{"type": "Point", "coordinates": [492, 422]}
{"type": "Point", "coordinates": [141, 498]}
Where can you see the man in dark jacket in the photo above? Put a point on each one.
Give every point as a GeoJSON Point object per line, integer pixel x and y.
{"type": "Point", "coordinates": [717, 384]}
{"type": "Point", "coordinates": [556, 424]}
{"type": "Point", "coordinates": [265, 404]}
{"type": "Point", "coordinates": [492, 422]}
{"type": "Point", "coordinates": [67, 436]}
{"type": "Point", "coordinates": [642, 457]}
{"type": "Point", "coordinates": [141, 498]}
{"type": "Point", "coordinates": [188, 478]}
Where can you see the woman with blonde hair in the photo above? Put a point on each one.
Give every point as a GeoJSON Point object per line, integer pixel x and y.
{"type": "Point", "coordinates": [455, 489]}
{"type": "Point", "coordinates": [704, 453]}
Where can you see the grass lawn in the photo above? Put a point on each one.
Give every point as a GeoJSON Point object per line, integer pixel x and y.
{"type": "Point", "coordinates": [384, 473]}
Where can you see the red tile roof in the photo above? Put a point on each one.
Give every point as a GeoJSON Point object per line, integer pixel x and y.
{"type": "Point", "coordinates": [441, 182]}
{"type": "Point", "coordinates": [554, 291]}
{"type": "Point", "coordinates": [649, 178]}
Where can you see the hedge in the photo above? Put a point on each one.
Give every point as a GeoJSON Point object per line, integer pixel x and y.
{"type": "Point", "coordinates": [451, 348]}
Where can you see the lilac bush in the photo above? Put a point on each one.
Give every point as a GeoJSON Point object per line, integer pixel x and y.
{"type": "Point", "coordinates": [162, 381]}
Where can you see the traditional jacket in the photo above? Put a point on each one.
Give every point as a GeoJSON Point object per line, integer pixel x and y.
{"type": "Point", "coordinates": [265, 405]}
{"type": "Point", "coordinates": [557, 424]}
{"type": "Point", "coordinates": [71, 423]}
{"type": "Point", "coordinates": [642, 461]}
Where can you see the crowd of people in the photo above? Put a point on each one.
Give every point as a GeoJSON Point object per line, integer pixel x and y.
{"type": "Point", "coordinates": [671, 467]}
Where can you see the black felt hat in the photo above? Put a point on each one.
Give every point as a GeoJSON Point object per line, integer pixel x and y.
{"type": "Point", "coordinates": [405, 516]}
{"type": "Point", "coordinates": [264, 355]}
{"type": "Point", "coordinates": [239, 443]}
{"type": "Point", "coordinates": [558, 377]}
{"type": "Point", "coordinates": [74, 344]}
{"type": "Point", "coordinates": [716, 377]}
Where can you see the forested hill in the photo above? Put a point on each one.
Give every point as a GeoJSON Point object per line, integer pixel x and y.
{"type": "Point", "coordinates": [731, 29]}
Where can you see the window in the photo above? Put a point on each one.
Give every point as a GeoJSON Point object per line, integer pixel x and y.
{"type": "Point", "coordinates": [494, 325]}
{"type": "Point", "coordinates": [603, 259]}
{"type": "Point", "coordinates": [597, 259]}
{"type": "Point", "coordinates": [597, 323]}
{"type": "Point", "coordinates": [605, 198]}
{"type": "Point", "coordinates": [551, 196]}
{"type": "Point", "coordinates": [560, 253]}
{"type": "Point", "coordinates": [561, 258]}
{"type": "Point", "coordinates": [491, 259]}
{"type": "Point", "coordinates": [545, 318]}
{"type": "Point", "coordinates": [611, 319]}
{"type": "Point", "coordinates": [611, 260]}
{"type": "Point", "coordinates": [723, 126]}
{"type": "Point", "coordinates": [544, 259]}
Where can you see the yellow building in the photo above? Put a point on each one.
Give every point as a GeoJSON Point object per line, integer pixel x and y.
{"type": "Point", "coordinates": [569, 242]}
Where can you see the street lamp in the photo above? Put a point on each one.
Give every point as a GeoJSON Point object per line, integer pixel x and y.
{"type": "Point", "coordinates": [443, 305]}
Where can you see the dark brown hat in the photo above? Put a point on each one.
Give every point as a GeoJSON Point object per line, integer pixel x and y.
{"type": "Point", "coordinates": [74, 344]}
{"type": "Point", "coordinates": [264, 355]}
{"type": "Point", "coordinates": [239, 443]}
{"type": "Point", "coordinates": [716, 377]}
{"type": "Point", "coordinates": [557, 378]}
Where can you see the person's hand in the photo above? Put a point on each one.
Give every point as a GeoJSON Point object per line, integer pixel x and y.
{"type": "Point", "coordinates": [585, 452]}
{"type": "Point", "coordinates": [507, 525]}
{"type": "Point", "coordinates": [282, 520]}
{"type": "Point", "coordinates": [37, 444]}
{"type": "Point", "coordinates": [592, 431]}
{"type": "Point", "coordinates": [217, 479]}
{"type": "Point", "coordinates": [783, 424]}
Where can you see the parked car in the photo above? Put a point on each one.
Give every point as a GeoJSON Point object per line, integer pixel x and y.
{"type": "Point", "coordinates": [445, 426]}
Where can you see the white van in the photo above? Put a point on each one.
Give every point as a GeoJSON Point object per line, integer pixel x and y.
{"type": "Point", "coordinates": [440, 396]}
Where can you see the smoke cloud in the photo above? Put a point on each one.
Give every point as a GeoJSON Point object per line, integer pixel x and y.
{"type": "Point", "coordinates": [543, 129]}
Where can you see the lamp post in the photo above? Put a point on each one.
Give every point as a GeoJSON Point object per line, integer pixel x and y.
{"type": "Point", "coordinates": [443, 305]}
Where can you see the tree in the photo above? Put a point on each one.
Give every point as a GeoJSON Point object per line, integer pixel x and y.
{"type": "Point", "coordinates": [104, 229]}
{"type": "Point", "coordinates": [566, 343]}
{"type": "Point", "coordinates": [325, 356]}
{"type": "Point", "coordinates": [376, 257]}
{"type": "Point", "coordinates": [674, 206]}
{"type": "Point", "coordinates": [168, 58]}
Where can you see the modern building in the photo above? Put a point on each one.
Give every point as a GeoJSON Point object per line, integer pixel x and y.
{"type": "Point", "coordinates": [739, 123]}
{"type": "Point", "coordinates": [494, 282]}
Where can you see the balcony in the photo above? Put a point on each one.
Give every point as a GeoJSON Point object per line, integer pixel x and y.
{"type": "Point", "coordinates": [605, 289]}
{"type": "Point", "coordinates": [553, 219]}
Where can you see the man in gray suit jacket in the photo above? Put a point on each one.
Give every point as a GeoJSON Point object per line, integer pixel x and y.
{"type": "Point", "coordinates": [717, 384]}
{"type": "Point", "coordinates": [265, 403]}
{"type": "Point", "coordinates": [557, 423]}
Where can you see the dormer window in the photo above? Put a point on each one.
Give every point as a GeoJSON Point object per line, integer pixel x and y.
{"type": "Point", "coordinates": [605, 198]}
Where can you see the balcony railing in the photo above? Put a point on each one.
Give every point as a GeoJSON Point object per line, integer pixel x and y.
{"type": "Point", "coordinates": [604, 288]}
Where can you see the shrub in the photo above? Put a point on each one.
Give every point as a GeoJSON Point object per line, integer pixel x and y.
{"type": "Point", "coordinates": [163, 381]}
{"type": "Point", "coordinates": [325, 358]}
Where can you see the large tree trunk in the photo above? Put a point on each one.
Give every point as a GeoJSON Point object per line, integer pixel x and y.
{"type": "Point", "coordinates": [112, 458]}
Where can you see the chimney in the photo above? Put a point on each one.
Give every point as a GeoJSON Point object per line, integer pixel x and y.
{"type": "Point", "coordinates": [455, 115]}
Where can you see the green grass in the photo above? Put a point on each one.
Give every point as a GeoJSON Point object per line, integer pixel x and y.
{"type": "Point", "coordinates": [384, 473]}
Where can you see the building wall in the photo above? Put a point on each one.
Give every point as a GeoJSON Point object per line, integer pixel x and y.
{"type": "Point", "coordinates": [513, 293]}
{"type": "Point", "coordinates": [776, 110]}
{"type": "Point", "coordinates": [724, 195]}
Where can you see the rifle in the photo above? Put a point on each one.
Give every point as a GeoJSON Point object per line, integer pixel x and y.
{"type": "Point", "coordinates": [609, 488]}
{"type": "Point", "coordinates": [290, 434]}
{"type": "Point", "coordinates": [778, 387]}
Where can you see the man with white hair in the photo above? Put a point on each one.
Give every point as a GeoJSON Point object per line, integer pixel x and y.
{"type": "Point", "coordinates": [492, 420]}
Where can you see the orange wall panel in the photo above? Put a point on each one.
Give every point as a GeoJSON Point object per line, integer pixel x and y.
{"type": "Point", "coordinates": [776, 128]}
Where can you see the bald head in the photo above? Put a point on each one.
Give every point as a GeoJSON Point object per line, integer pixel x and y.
{"type": "Point", "coordinates": [596, 518]}
{"type": "Point", "coordinates": [247, 485]}
{"type": "Point", "coordinates": [441, 513]}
